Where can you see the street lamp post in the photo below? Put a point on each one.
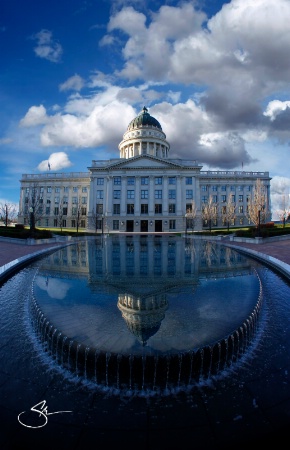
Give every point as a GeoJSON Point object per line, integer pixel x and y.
{"type": "Point", "coordinates": [6, 215]}
{"type": "Point", "coordinates": [32, 219]}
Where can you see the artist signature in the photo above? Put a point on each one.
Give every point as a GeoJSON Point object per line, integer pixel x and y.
{"type": "Point", "coordinates": [42, 410]}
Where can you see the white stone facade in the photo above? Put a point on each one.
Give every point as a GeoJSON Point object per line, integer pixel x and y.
{"type": "Point", "coordinates": [142, 191]}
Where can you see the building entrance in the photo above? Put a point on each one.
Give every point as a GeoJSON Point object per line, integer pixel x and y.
{"type": "Point", "coordinates": [144, 226]}
{"type": "Point", "coordinates": [158, 225]}
{"type": "Point", "coordinates": [130, 225]}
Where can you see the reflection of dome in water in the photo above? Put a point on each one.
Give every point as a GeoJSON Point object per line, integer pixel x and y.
{"type": "Point", "coordinates": [143, 316]}
{"type": "Point", "coordinates": [194, 317]}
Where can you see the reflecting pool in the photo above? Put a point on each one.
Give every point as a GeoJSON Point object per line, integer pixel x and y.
{"type": "Point", "coordinates": [146, 312]}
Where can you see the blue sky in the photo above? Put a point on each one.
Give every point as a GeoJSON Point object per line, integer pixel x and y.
{"type": "Point", "coordinates": [215, 74]}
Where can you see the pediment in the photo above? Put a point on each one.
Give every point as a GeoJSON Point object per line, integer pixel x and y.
{"type": "Point", "coordinates": [145, 161]}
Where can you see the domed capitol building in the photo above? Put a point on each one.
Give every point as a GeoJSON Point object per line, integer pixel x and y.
{"type": "Point", "coordinates": [142, 191]}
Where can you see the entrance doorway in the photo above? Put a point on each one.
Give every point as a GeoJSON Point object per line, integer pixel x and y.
{"type": "Point", "coordinates": [158, 225]}
{"type": "Point", "coordinates": [144, 226]}
{"type": "Point", "coordinates": [130, 225]}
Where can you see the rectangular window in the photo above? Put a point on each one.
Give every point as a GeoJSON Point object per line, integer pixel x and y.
{"type": "Point", "coordinates": [99, 208]}
{"type": "Point", "coordinates": [84, 189]}
{"type": "Point", "coordinates": [233, 188]}
{"type": "Point", "coordinates": [56, 200]}
{"type": "Point", "coordinates": [144, 180]}
{"type": "Point", "coordinates": [171, 208]}
{"type": "Point", "coordinates": [158, 180]}
{"type": "Point", "coordinates": [65, 200]}
{"type": "Point", "coordinates": [48, 189]}
{"type": "Point", "coordinates": [158, 208]}
{"type": "Point", "coordinates": [47, 210]}
{"type": "Point", "coordinates": [144, 193]}
{"type": "Point", "coordinates": [214, 198]}
{"type": "Point", "coordinates": [48, 201]}
{"type": "Point", "coordinates": [84, 200]}
{"type": "Point", "coordinates": [204, 188]}
{"type": "Point", "coordinates": [188, 194]}
{"type": "Point", "coordinates": [56, 211]}
{"type": "Point", "coordinates": [115, 224]}
{"type": "Point", "coordinates": [75, 189]}
{"type": "Point", "coordinates": [64, 211]}
{"type": "Point", "coordinates": [171, 180]}
{"type": "Point", "coordinates": [204, 199]}
{"type": "Point", "coordinates": [172, 194]}
{"type": "Point", "coordinates": [144, 208]}
{"type": "Point", "coordinates": [74, 210]}
{"type": "Point", "coordinates": [188, 180]}
{"type": "Point", "coordinates": [130, 208]}
{"type": "Point", "coordinates": [74, 200]}
{"type": "Point", "coordinates": [41, 189]}
{"type": "Point", "coordinates": [57, 189]}
{"type": "Point", "coordinates": [241, 188]}
{"type": "Point", "coordinates": [83, 211]}
{"type": "Point", "coordinates": [131, 181]}
{"type": "Point", "coordinates": [65, 189]}
{"type": "Point", "coordinates": [223, 188]}
{"type": "Point", "coordinates": [117, 180]}
{"type": "Point", "coordinates": [116, 208]}
{"type": "Point", "coordinates": [172, 225]}
{"type": "Point", "coordinates": [100, 195]}
{"type": "Point", "coordinates": [233, 198]}
{"type": "Point", "coordinates": [241, 209]}
{"type": "Point", "coordinates": [248, 188]}
{"type": "Point", "coordinates": [214, 188]}
{"type": "Point", "coordinates": [83, 223]}
{"type": "Point", "coordinates": [241, 221]}
{"type": "Point", "coordinates": [73, 223]}
{"type": "Point", "coordinates": [224, 198]}
{"type": "Point", "coordinates": [130, 194]}
{"type": "Point", "coordinates": [117, 194]}
{"type": "Point", "coordinates": [158, 194]}
{"type": "Point", "coordinates": [241, 198]}
{"type": "Point", "coordinates": [100, 181]}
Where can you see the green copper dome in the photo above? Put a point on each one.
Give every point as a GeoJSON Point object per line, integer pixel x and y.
{"type": "Point", "coordinates": [144, 119]}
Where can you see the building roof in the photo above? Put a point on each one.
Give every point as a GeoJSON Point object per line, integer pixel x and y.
{"type": "Point", "coordinates": [144, 119]}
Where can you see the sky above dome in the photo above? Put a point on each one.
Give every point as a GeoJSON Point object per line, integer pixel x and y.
{"type": "Point", "coordinates": [215, 74]}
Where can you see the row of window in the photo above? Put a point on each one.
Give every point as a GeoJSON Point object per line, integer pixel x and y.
{"type": "Point", "coordinates": [56, 189]}
{"type": "Point", "coordinates": [75, 200]}
{"type": "Point", "coordinates": [143, 180]}
{"type": "Point", "coordinates": [58, 211]}
{"type": "Point", "coordinates": [144, 194]}
{"type": "Point", "coordinates": [223, 198]}
{"type": "Point", "coordinates": [206, 187]}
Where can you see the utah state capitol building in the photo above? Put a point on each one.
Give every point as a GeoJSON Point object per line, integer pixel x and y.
{"type": "Point", "coordinates": [142, 191]}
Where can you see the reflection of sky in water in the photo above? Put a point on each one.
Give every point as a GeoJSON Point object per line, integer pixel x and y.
{"type": "Point", "coordinates": [85, 307]}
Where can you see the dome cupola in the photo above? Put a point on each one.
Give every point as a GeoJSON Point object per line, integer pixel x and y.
{"type": "Point", "coordinates": [144, 136]}
{"type": "Point", "coordinates": [144, 120]}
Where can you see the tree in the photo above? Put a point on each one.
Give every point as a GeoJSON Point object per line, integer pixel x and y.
{"type": "Point", "coordinates": [59, 214]}
{"type": "Point", "coordinates": [284, 212]}
{"type": "Point", "coordinates": [8, 212]}
{"type": "Point", "coordinates": [257, 208]}
{"type": "Point", "coordinates": [33, 205]}
{"type": "Point", "coordinates": [228, 212]}
{"type": "Point", "coordinates": [191, 214]}
{"type": "Point", "coordinates": [93, 219]}
{"type": "Point", "coordinates": [209, 212]}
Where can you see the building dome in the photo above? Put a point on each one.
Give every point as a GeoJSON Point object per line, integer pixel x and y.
{"type": "Point", "coordinates": [144, 136]}
{"type": "Point", "coordinates": [144, 119]}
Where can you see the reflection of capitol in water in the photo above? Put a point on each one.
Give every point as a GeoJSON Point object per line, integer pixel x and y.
{"type": "Point", "coordinates": [107, 300]}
